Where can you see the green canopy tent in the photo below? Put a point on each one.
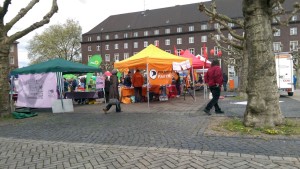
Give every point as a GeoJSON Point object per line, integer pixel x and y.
{"type": "Point", "coordinates": [60, 66]}
{"type": "Point", "coordinates": [56, 65]}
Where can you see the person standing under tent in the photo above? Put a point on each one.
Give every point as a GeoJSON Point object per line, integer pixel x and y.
{"type": "Point", "coordinates": [127, 80]}
{"type": "Point", "coordinates": [178, 85]}
{"type": "Point", "coordinates": [137, 82]}
{"type": "Point", "coordinates": [214, 79]}
{"type": "Point", "coordinates": [113, 93]}
{"type": "Point", "coordinates": [225, 81]}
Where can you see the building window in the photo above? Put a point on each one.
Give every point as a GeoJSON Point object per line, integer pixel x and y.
{"type": "Point", "coordinates": [145, 43]}
{"type": "Point", "coordinates": [192, 51]}
{"type": "Point", "coordinates": [202, 50]}
{"type": "Point", "coordinates": [277, 46]}
{"type": "Point", "coordinates": [204, 38]}
{"type": "Point", "coordinates": [107, 37]}
{"type": "Point", "coordinates": [89, 57]}
{"type": "Point", "coordinates": [126, 55]}
{"type": "Point", "coordinates": [217, 37]}
{"type": "Point", "coordinates": [179, 41]}
{"type": "Point", "coordinates": [293, 45]}
{"type": "Point", "coordinates": [204, 27]}
{"type": "Point", "coordinates": [98, 37]}
{"type": "Point", "coordinates": [146, 33]}
{"type": "Point", "coordinates": [125, 45]}
{"type": "Point", "coordinates": [135, 34]}
{"type": "Point", "coordinates": [277, 33]}
{"type": "Point", "coordinates": [178, 52]}
{"type": "Point", "coordinates": [11, 60]}
{"type": "Point", "coordinates": [216, 25]}
{"type": "Point", "coordinates": [156, 43]}
{"type": "Point", "coordinates": [179, 29]}
{"type": "Point", "coordinates": [107, 57]}
{"type": "Point", "coordinates": [294, 18]}
{"type": "Point", "coordinates": [116, 36]}
{"type": "Point", "coordinates": [167, 42]}
{"type": "Point", "coordinates": [229, 49]}
{"type": "Point", "coordinates": [191, 28]}
{"type": "Point", "coordinates": [167, 31]}
{"type": "Point", "coordinates": [216, 49]}
{"type": "Point", "coordinates": [116, 46]}
{"type": "Point", "coordinates": [293, 31]}
{"type": "Point", "coordinates": [106, 47]}
{"type": "Point", "coordinates": [116, 57]}
{"type": "Point", "coordinates": [89, 48]}
{"type": "Point", "coordinates": [169, 51]}
{"type": "Point", "coordinates": [12, 48]}
{"type": "Point", "coordinates": [275, 19]}
{"type": "Point", "coordinates": [231, 25]}
{"type": "Point", "coordinates": [191, 39]}
{"type": "Point", "coordinates": [229, 36]}
{"type": "Point", "coordinates": [89, 38]}
{"type": "Point", "coordinates": [135, 44]}
{"type": "Point", "coordinates": [156, 32]}
{"type": "Point", "coordinates": [98, 47]}
{"type": "Point", "coordinates": [125, 35]}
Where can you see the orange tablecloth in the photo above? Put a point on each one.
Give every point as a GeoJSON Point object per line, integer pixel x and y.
{"type": "Point", "coordinates": [125, 92]}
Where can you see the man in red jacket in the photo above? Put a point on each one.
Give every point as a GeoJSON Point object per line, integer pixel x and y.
{"type": "Point", "coordinates": [137, 83]}
{"type": "Point", "coordinates": [214, 80]}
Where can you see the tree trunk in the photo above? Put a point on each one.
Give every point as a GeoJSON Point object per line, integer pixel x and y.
{"type": "Point", "coordinates": [4, 84]}
{"type": "Point", "coordinates": [263, 99]}
{"type": "Point", "coordinates": [243, 75]}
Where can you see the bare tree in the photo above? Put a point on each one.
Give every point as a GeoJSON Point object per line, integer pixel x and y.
{"type": "Point", "coordinates": [6, 41]}
{"type": "Point", "coordinates": [257, 50]}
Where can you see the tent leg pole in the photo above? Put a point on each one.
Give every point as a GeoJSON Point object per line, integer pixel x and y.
{"type": "Point", "coordinates": [148, 86]}
{"type": "Point", "coordinates": [194, 84]}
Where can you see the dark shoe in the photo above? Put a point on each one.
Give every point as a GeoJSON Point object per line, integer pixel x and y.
{"type": "Point", "coordinates": [105, 111]}
{"type": "Point", "coordinates": [207, 111]}
{"type": "Point", "coordinates": [219, 112]}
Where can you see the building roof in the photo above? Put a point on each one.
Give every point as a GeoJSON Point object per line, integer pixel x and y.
{"type": "Point", "coordinates": [176, 15]}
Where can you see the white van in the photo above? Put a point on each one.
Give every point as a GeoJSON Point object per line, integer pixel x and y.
{"type": "Point", "coordinates": [284, 73]}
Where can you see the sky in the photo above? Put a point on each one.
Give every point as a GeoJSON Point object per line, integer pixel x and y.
{"type": "Point", "coordinates": [89, 13]}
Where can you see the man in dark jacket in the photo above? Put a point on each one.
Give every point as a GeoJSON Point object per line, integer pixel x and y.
{"type": "Point", "coordinates": [113, 93]}
{"type": "Point", "coordinates": [214, 80]}
{"type": "Point", "coordinates": [225, 81]}
{"type": "Point", "coordinates": [127, 80]}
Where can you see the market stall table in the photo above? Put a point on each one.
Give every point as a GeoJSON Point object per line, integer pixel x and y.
{"type": "Point", "coordinates": [84, 95]}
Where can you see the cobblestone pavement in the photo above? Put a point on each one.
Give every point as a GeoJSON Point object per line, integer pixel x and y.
{"type": "Point", "coordinates": [166, 135]}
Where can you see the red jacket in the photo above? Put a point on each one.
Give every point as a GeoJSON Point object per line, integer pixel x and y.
{"type": "Point", "coordinates": [137, 79]}
{"type": "Point", "coordinates": [214, 76]}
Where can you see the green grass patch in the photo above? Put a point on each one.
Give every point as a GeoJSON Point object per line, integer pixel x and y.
{"type": "Point", "coordinates": [289, 128]}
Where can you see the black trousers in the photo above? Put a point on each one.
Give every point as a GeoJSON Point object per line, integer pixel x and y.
{"type": "Point", "coordinates": [138, 94]}
{"type": "Point", "coordinates": [216, 92]}
{"type": "Point", "coordinates": [118, 106]}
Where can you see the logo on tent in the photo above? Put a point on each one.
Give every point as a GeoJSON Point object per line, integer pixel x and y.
{"type": "Point", "coordinates": [153, 74]}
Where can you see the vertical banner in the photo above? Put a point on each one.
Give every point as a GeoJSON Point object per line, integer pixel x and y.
{"type": "Point", "coordinates": [37, 90]}
{"type": "Point", "coordinates": [158, 76]}
{"type": "Point", "coordinates": [94, 61]}
{"type": "Point", "coordinates": [100, 82]}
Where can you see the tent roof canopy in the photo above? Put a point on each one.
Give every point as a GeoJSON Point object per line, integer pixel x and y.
{"type": "Point", "coordinates": [56, 65]}
{"type": "Point", "coordinates": [197, 62]}
{"type": "Point", "coordinates": [149, 55]}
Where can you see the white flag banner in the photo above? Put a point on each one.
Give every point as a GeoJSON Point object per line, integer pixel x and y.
{"type": "Point", "coordinates": [37, 90]}
{"type": "Point", "coordinates": [176, 66]}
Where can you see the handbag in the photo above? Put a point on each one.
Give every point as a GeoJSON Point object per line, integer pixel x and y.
{"type": "Point", "coordinates": [114, 101]}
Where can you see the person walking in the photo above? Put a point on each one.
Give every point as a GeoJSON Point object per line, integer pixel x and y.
{"type": "Point", "coordinates": [113, 93]}
{"type": "Point", "coordinates": [137, 82]}
{"type": "Point", "coordinates": [225, 81]}
{"type": "Point", "coordinates": [214, 80]}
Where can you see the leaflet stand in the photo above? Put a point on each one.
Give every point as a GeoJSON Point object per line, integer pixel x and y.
{"type": "Point", "coordinates": [187, 90]}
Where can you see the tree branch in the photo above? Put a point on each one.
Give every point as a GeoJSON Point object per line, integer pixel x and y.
{"type": "Point", "coordinates": [45, 20]}
{"type": "Point", "coordinates": [4, 9]}
{"type": "Point", "coordinates": [214, 15]}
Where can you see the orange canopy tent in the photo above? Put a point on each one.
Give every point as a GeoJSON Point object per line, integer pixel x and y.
{"type": "Point", "coordinates": [150, 55]}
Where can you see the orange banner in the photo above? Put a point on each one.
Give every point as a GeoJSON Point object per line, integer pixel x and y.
{"type": "Point", "coordinates": [159, 77]}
